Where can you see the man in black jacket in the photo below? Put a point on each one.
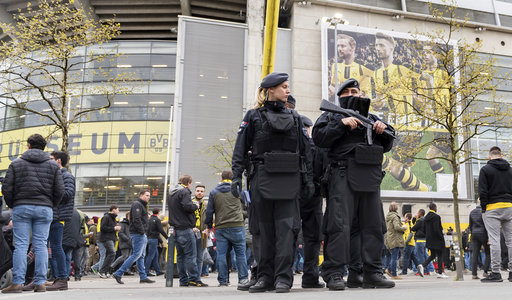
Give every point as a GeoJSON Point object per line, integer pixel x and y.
{"type": "Point", "coordinates": [109, 228]}
{"type": "Point", "coordinates": [495, 190]}
{"type": "Point", "coordinates": [182, 217]}
{"type": "Point", "coordinates": [32, 186]}
{"type": "Point", "coordinates": [154, 230]}
{"type": "Point", "coordinates": [420, 240]}
{"type": "Point", "coordinates": [138, 229]}
{"type": "Point", "coordinates": [478, 239]}
{"type": "Point", "coordinates": [435, 239]}
{"type": "Point", "coordinates": [125, 242]}
{"type": "Point", "coordinates": [61, 214]}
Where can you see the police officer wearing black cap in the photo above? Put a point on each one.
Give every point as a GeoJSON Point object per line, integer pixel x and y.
{"type": "Point", "coordinates": [272, 143]}
{"type": "Point", "coordinates": [354, 178]}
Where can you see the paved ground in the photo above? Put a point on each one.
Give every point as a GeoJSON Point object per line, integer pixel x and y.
{"type": "Point", "coordinates": [92, 287]}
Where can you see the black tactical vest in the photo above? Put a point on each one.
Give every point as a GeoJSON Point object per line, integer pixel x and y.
{"type": "Point", "coordinates": [278, 132]}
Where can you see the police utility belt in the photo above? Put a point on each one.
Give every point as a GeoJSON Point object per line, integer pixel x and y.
{"type": "Point", "coordinates": [279, 175]}
{"type": "Point", "coordinates": [363, 169]}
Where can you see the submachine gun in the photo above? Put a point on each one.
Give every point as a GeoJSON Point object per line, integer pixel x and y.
{"type": "Point", "coordinates": [367, 123]}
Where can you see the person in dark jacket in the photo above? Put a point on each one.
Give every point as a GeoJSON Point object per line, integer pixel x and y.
{"type": "Point", "coordinates": [182, 217]}
{"type": "Point", "coordinates": [495, 190]}
{"type": "Point", "coordinates": [109, 229]}
{"type": "Point", "coordinates": [479, 238]}
{"type": "Point", "coordinates": [138, 229]}
{"type": "Point", "coordinates": [354, 178]}
{"type": "Point", "coordinates": [71, 238]}
{"type": "Point", "coordinates": [154, 230]}
{"type": "Point", "coordinates": [32, 186]}
{"type": "Point", "coordinates": [435, 239]}
{"type": "Point", "coordinates": [61, 213]}
{"type": "Point", "coordinates": [420, 240]}
{"type": "Point", "coordinates": [125, 242]}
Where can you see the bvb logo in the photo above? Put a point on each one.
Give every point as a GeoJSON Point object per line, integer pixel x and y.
{"type": "Point", "coordinates": [158, 142]}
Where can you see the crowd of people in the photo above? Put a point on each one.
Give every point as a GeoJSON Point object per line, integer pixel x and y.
{"type": "Point", "coordinates": [266, 230]}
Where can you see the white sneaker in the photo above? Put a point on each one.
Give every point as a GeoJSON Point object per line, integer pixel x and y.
{"type": "Point", "coordinates": [420, 270]}
{"type": "Point", "coordinates": [442, 276]}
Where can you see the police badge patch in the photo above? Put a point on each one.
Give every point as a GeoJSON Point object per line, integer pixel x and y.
{"type": "Point", "coordinates": [242, 126]}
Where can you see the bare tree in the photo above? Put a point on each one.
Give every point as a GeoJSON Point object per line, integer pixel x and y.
{"type": "Point", "coordinates": [452, 99]}
{"type": "Point", "coordinates": [45, 61]}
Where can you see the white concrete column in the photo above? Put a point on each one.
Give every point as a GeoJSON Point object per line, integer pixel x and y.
{"type": "Point", "coordinates": [255, 24]}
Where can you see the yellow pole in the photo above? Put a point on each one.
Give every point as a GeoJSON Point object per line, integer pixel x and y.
{"type": "Point", "coordinates": [269, 44]}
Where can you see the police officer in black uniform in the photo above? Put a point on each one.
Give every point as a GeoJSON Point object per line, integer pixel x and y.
{"type": "Point", "coordinates": [354, 177]}
{"type": "Point", "coordinates": [272, 144]}
{"type": "Point", "coordinates": [311, 216]}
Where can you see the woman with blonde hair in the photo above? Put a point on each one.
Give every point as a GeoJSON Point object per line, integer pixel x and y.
{"type": "Point", "coordinates": [272, 146]}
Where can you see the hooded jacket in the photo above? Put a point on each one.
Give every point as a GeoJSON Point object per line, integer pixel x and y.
{"type": "Point", "coordinates": [33, 179]}
{"type": "Point", "coordinates": [434, 231]}
{"type": "Point", "coordinates": [495, 183]}
{"type": "Point", "coordinates": [181, 209]}
{"type": "Point", "coordinates": [125, 240]}
{"type": "Point", "coordinates": [394, 237]}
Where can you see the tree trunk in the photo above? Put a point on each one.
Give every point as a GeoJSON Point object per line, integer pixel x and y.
{"type": "Point", "coordinates": [459, 257]}
{"type": "Point", "coordinates": [65, 139]}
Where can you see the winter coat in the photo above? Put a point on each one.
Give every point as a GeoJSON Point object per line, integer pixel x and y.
{"type": "Point", "coordinates": [394, 237]}
{"type": "Point", "coordinates": [125, 241]}
{"type": "Point", "coordinates": [33, 179]}
{"type": "Point", "coordinates": [139, 217]}
{"type": "Point", "coordinates": [155, 228]}
{"type": "Point", "coordinates": [434, 231]}
{"type": "Point", "coordinates": [495, 183]}
{"type": "Point", "coordinates": [419, 230]}
{"type": "Point", "coordinates": [476, 222]}
{"type": "Point", "coordinates": [64, 210]}
{"type": "Point", "coordinates": [108, 233]}
{"type": "Point", "coordinates": [71, 237]}
{"type": "Point", "coordinates": [181, 210]}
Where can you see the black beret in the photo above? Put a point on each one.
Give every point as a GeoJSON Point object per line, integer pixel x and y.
{"type": "Point", "coordinates": [291, 100]}
{"type": "Point", "coordinates": [306, 121]}
{"type": "Point", "coordinates": [351, 82]}
{"type": "Point", "coordinates": [273, 79]}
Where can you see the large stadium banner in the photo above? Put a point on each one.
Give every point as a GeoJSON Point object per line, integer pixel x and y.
{"type": "Point", "coordinates": [391, 68]}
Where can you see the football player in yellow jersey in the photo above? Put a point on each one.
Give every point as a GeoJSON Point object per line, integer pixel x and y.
{"type": "Point", "coordinates": [393, 87]}
{"type": "Point", "coordinates": [437, 90]}
{"type": "Point", "coordinates": [346, 47]}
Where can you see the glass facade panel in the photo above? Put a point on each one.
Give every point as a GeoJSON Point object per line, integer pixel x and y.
{"type": "Point", "coordinates": [116, 151]}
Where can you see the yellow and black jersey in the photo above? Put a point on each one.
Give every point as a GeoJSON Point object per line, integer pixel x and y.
{"type": "Point", "coordinates": [357, 71]}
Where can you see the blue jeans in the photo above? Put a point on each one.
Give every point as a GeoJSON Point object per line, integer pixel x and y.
{"type": "Point", "coordinates": [298, 263]}
{"type": "Point", "coordinates": [139, 242]}
{"type": "Point", "coordinates": [408, 257]}
{"type": "Point", "coordinates": [103, 253]}
{"type": "Point", "coordinates": [68, 253]}
{"type": "Point", "coordinates": [199, 256]}
{"type": "Point", "coordinates": [26, 219]}
{"type": "Point", "coordinates": [152, 257]}
{"type": "Point", "coordinates": [395, 253]}
{"type": "Point", "coordinates": [58, 260]}
{"type": "Point", "coordinates": [235, 236]}
{"type": "Point", "coordinates": [467, 260]}
{"type": "Point", "coordinates": [186, 256]}
{"type": "Point", "coordinates": [421, 254]}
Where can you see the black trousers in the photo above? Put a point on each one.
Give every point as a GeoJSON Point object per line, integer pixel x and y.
{"type": "Point", "coordinates": [343, 205]}
{"type": "Point", "coordinates": [110, 256]}
{"type": "Point", "coordinates": [311, 216]}
{"type": "Point", "coordinates": [435, 253]}
{"type": "Point", "coordinates": [477, 241]}
{"type": "Point", "coordinates": [275, 225]}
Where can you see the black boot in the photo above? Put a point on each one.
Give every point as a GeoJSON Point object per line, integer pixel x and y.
{"type": "Point", "coordinates": [354, 280]}
{"type": "Point", "coordinates": [510, 276]}
{"type": "Point", "coordinates": [376, 280]}
{"type": "Point", "coordinates": [336, 283]}
{"type": "Point", "coordinates": [261, 286]}
{"type": "Point", "coordinates": [313, 285]}
{"type": "Point", "coordinates": [282, 288]}
{"type": "Point", "coordinates": [493, 277]}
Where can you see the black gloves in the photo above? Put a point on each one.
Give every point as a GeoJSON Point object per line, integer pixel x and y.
{"type": "Point", "coordinates": [236, 187]}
